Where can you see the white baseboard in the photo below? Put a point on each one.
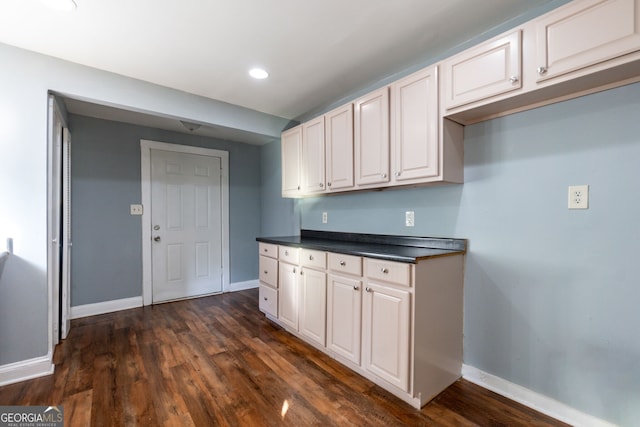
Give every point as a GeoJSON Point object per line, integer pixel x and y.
{"type": "Point", "coordinates": [532, 399]}
{"type": "Point", "coordinates": [105, 307]}
{"type": "Point", "coordinates": [241, 286]}
{"type": "Point", "coordinates": [26, 370]}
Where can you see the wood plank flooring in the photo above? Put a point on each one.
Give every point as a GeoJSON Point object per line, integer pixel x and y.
{"type": "Point", "coordinates": [218, 361]}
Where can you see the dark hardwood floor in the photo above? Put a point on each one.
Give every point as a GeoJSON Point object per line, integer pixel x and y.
{"type": "Point", "coordinates": [218, 361]}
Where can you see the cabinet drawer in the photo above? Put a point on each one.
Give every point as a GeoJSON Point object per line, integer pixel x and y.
{"type": "Point", "coordinates": [268, 271]}
{"type": "Point", "coordinates": [268, 300]}
{"type": "Point", "coordinates": [267, 249]}
{"type": "Point", "coordinates": [314, 259]}
{"type": "Point", "coordinates": [288, 254]}
{"type": "Point", "coordinates": [348, 264]}
{"type": "Point", "coordinates": [388, 271]}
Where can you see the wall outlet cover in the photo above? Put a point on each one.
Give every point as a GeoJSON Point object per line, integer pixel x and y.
{"type": "Point", "coordinates": [578, 197]}
{"type": "Point", "coordinates": [135, 209]}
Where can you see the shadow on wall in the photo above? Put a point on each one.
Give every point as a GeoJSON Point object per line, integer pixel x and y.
{"type": "Point", "coordinates": [3, 259]}
{"type": "Point", "coordinates": [23, 310]}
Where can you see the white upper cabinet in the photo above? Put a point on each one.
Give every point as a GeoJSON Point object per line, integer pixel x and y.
{"type": "Point", "coordinates": [372, 138]}
{"type": "Point", "coordinates": [414, 127]}
{"type": "Point", "coordinates": [486, 70]}
{"type": "Point", "coordinates": [291, 160]}
{"type": "Point", "coordinates": [585, 33]}
{"type": "Point", "coordinates": [339, 148]}
{"type": "Point", "coordinates": [313, 156]}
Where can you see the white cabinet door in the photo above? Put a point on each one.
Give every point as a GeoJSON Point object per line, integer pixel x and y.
{"type": "Point", "coordinates": [414, 126]}
{"type": "Point", "coordinates": [585, 33]}
{"type": "Point", "coordinates": [313, 156]}
{"type": "Point", "coordinates": [385, 329]}
{"type": "Point", "coordinates": [291, 160]}
{"type": "Point", "coordinates": [483, 71]}
{"type": "Point", "coordinates": [371, 135]}
{"type": "Point", "coordinates": [344, 317]}
{"type": "Point", "coordinates": [313, 305]}
{"type": "Point", "coordinates": [288, 294]}
{"type": "Point", "coordinates": [339, 148]}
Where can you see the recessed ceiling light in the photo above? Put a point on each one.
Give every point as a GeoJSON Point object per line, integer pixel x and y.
{"type": "Point", "coordinates": [60, 4]}
{"type": "Point", "coordinates": [258, 73]}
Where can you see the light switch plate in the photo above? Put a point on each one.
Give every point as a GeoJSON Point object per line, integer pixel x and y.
{"type": "Point", "coordinates": [409, 219]}
{"type": "Point", "coordinates": [136, 209]}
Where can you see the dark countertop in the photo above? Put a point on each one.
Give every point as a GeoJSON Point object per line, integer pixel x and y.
{"type": "Point", "coordinates": [408, 249]}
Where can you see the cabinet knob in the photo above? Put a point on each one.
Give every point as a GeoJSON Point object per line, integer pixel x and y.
{"type": "Point", "coordinates": [384, 270]}
{"type": "Point", "coordinates": [383, 175]}
{"type": "Point", "coordinates": [298, 187]}
{"type": "Point", "coordinates": [321, 185]}
{"type": "Point", "coordinates": [266, 272]}
{"type": "Point", "coordinates": [513, 79]}
{"type": "Point", "coordinates": [368, 289]}
{"type": "Point", "coordinates": [397, 173]}
{"type": "Point", "coordinates": [266, 299]}
{"type": "Point", "coordinates": [301, 272]}
{"type": "Point", "coordinates": [294, 270]}
{"type": "Point", "coordinates": [541, 70]}
{"type": "Point", "coordinates": [286, 253]}
{"type": "Point", "coordinates": [356, 288]}
{"type": "Point", "coordinates": [266, 250]}
{"type": "Point", "coordinates": [342, 263]}
{"type": "Point", "coordinates": [310, 257]}
{"type": "Point", "coordinates": [328, 184]}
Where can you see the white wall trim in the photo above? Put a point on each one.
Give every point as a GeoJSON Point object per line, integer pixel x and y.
{"type": "Point", "coordinates": [26, 370]}
{"type": "Point", "coordinates": [105, 307]}
{"type": "Point", "coordinates": [241, 286]}
{"type": "Point", "coordinates": [145, 170]}
{"type": "Point", "coordinates": [532, 399]}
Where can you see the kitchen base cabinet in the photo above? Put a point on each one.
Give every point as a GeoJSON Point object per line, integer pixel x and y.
{"type": "Point", "coordinates": [344, 317]}
{"type": "Point", "coordinates": [398, 324]}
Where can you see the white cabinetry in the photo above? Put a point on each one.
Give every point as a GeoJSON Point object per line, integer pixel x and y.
{"type": "Point", "coordinates": [344, 307]}
{"type": "Point", "coordinates": [371, 138]}
{"type": "Point", "coordinates": [398, 324]}
{"type": "Point", "coordinates": [291, 160]}
{"type": "Point", "coordinates": [483, 71]}
{"type": "Point", "coordinates": [268, 288]}
{"type": "Point", "coordinates": [414, 127]}
{"type": "Point", "coordinates": [585, 33]}
{"type": "Point", "coordinates": [339, 148]}
{"type": "Point", "coordinates": [385, 333]}
{"type": "Point", "coordinates": [313, 153]}
{"type": "Point", "coordinates": [313, 296]}
{"type": "Point", "coordinates": [288, 270]}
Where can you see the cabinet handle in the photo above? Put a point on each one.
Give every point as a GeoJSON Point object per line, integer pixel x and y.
{"type": "Point", "coordinates": [266, 250]}
{"type": "Point", "coordinates": [321, 185]}
{"type": "Point", "coordinates": [368, 289]}
{"type": "Point", "coordinates": [513, 79]}
{"type": "Point", "coordinates": [310, 257]}
{"type": "Point", "coordinates": [266, 299]}
{"type": "Point", "coordinates": [383, 175]}
{"type": "Point", "coordinates": [294, 271]}
{"type": "Point", "coordinates": [286, 253]}
{"type": "Point", "coordinates": [298, 187]}
{"type": "Point", "coordinates": [356, 288]}
{"type": "Point", "coordinates": [541, 70]}
{"type": "Point", "coordinates": [301, 272]}
{"type": "Point", "coordinates": [328, 184]}
{"type": "Point", "coordinates": [266, 272]}
{"type": "Point", "coordinates": [342, 263]}
{"type": "Point", "coordinates": [384, 270]}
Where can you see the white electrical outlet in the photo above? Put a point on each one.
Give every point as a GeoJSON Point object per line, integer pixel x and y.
{"type": "Point", "coordinates": [325, 218]}
{"type": "Point", "coordinates": [409, 219]}
{"type": "Point", "coordinates": [579, 197]}
{"type": "Point", "coordinates": [136, 209]}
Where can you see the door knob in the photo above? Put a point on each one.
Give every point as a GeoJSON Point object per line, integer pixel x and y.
{"type": "Point", "coordinates": [157, 238]}
{"type": "Point", "coordinates": [156, 227]}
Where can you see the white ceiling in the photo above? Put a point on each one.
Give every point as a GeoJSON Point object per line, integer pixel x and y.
{"type": "Point", "coordinates": [316, 51]}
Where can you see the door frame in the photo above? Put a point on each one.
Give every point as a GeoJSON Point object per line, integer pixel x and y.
{"type": "Point", "coordinates": [58, 212]}
{"type": "Point", "coordinates": [145, 179]}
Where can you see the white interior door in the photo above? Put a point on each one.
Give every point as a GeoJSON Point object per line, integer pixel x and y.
{"type": "Point", "coordinates": [186, 221]}
{"type": "Point", "coordinates": [65, 285]}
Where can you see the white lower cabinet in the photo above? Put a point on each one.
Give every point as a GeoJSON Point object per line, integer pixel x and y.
{"type": "Point", "coordinates": [344, 316]}
{"type": "Point", "coordinates": [313, 305]}
{"type": "Point", "coordinates": [385, 333]}
{"type": "Point", "coordinates": [398, 324]}
{"type": "Point", "coordinates": [288, 298]}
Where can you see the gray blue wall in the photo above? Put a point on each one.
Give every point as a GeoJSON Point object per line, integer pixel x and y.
{"type": "Point", "coordinates": [551, 294]}
{"type": "Point", "coordinates": [107, 248]}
